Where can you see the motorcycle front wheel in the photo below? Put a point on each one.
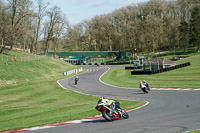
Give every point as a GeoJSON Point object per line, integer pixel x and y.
{"type": "Point", "coordinates": [125, 115]}
{"type": "Point", "coordinates": [107, 115]}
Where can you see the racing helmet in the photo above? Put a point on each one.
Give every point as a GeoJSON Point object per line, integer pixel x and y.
{"type": "Point", "coordinates": [100, 100]}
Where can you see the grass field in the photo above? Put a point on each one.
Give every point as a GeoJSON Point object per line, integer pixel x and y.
{"type": "Point", "coordinates": [30, 95]}
{"type": "Point", "coordinates": [187, 77]}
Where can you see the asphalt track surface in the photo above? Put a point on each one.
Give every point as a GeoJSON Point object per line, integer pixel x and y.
{"type": "Point", "coordinates": [168, 111]}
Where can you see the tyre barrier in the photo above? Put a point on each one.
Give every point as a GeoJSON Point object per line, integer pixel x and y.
{"type": "Point", "coordinates": [160, 70]}
{"type": "Point", "coordinates": [128, 67]}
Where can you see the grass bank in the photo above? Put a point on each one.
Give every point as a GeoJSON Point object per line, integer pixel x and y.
{"type": "Point", "coordinates": [194, 131]}
{"type": "Point", "coordinates": [187, 77]}
{"type": "Point", "coordinates": [30, 95]}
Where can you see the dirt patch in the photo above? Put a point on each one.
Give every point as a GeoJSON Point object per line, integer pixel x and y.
{"type": "Point", "coordinates": [7, 82]}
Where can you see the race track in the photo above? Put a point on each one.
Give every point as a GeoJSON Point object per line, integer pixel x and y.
{"type": "Point", "coordinates": [169, 111]}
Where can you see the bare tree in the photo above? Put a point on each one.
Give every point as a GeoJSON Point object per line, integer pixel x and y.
{"type": "Point", "coordinates": [54, 18]}
{"type": "Point", "coordinates": [4, 29]}
{"type": "Point", "coordinates": [59, 31]}
{"type": "Point", "coordinates": [19, 9]}
{"type": "Point", "coordinates": [41, 12]}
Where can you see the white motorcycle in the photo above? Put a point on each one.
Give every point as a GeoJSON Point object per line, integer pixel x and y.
{"type": "Point", "coordinates": [144, 87]}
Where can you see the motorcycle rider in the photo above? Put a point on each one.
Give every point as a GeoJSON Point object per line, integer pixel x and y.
{"type": "Point", "coordinates": [76, 80]}
{"type": "Point", "coordinates": [108, 102]}
{"type": "Point", "coordinates": [146, 84]}
{"type": "Point", "coordinates": [143, 86]}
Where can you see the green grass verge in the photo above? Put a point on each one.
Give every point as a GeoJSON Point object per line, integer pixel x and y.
{"type": "Point", "coordinates": [30, 95]}
{"type": "Point", "coordinates": [187, 77]}
{"type": "Point", "coordinates": [195, 131]}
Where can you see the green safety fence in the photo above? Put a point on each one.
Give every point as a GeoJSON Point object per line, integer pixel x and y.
{"type": "Point", "coordinates": [91, 54]}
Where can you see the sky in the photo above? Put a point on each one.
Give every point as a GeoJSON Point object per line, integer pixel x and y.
{"type": "Point", "coordinates": [77, 11]}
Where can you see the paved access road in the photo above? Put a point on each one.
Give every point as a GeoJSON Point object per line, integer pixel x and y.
{"type": "Point", "coordinates": [168, 111]}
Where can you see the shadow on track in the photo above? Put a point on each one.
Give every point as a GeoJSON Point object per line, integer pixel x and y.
{"type": "Point", "coordinates": [101, 121]}
{"type": "Point", "coordinates": [96, 121]}
{"type": "Point", "coordinates": [139, 92]}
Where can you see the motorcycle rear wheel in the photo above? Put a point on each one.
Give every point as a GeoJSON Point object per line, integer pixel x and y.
{"type": "Point", "coordinates": [107, 115]}
{"type": "Point", "coordinates": [144, 90]}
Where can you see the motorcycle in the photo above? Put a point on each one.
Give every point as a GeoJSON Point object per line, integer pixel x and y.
{"type": "Point", "coordinates": [109, 113]}
{"type": "Point", "coordinates": [144, 88]}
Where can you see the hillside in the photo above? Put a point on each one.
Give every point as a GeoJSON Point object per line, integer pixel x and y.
{"type": "Point", "coordinates": [28, 89]}
{"type": "Point", "coordinates": [29, 67]}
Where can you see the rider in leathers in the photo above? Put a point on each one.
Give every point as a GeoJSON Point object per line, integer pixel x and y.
{"type": "Point", "coordinates": [144, 86]}
{"type": "Point", "coordinates": [109, 102]}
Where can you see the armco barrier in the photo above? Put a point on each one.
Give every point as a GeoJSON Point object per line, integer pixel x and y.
{"type": "Point", "coordinates": [160, 70]}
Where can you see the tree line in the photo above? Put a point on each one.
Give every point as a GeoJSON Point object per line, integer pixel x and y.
{"type": "Point", "coordinates": [153, 26]}
{"type": "Point", "coordinates": [30, 26]}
